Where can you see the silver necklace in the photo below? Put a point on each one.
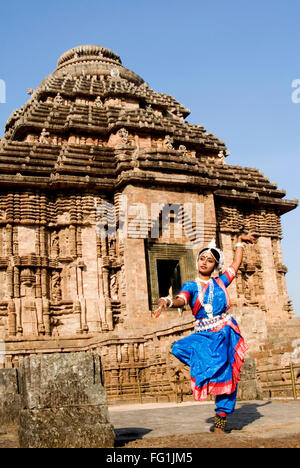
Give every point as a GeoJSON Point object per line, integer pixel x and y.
{"type": "Point", "coordinates": [208, 306]}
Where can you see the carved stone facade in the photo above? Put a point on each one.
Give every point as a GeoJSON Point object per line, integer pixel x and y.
{"type": "Point", "coordinates": [91, 168]}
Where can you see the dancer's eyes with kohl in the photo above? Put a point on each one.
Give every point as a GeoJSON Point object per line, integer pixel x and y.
{"type": "Point", "coordinates": [209, 259]}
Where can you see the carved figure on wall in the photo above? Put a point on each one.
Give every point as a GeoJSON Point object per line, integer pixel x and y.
{"type": "Point", "coordinates": [27, 283]}
{"type": "Point", "coordinates": [58, 100]}
{"type": "Point", "coordinates": [122, 278]}
{"type": "Point", "coordinates": [182, 149]}
{"type": "Point", "coordinates": [114, 287]}
{"type": "Point", "coordinates": [247, 285]}
{"type": "Point", "coordinates": [115, 73]}
{"type": "Point", "coordinates": [168, 142]}
{"type": "Point", "coordinates": [16, 114]}
{"type": "Point", "coordinates": [44, 136]}
{"type": "Point", "coordinates": [98, 102]}
{"type": "Point", "coordinates": [30, 320]}
{"type": "Point", "coordinates": [55, 322]}
{"type": "Point", "coordinates": [56, 286]}
{"type": "Point", "coordinates": [54, 244]}
{"type": "Point", "coordinates": [178, 374]}
{"type": "Point", "coordinates": [123, 134]}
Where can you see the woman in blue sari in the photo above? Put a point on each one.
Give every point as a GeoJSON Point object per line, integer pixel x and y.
{"type": "Point", "coordinates": [216, 350]}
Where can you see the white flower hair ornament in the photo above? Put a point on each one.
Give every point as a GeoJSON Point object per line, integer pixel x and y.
{"type": "Point", "coordinates": [216, 253]}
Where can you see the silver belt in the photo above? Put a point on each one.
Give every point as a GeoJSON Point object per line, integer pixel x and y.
{"type": "Point", "coordinates": [208, 324]}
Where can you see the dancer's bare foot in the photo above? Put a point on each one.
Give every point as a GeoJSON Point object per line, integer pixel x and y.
{"type": "Point", "coordinates": [217, 430]}
{"type": "Point", "coordinates": [219, 424]}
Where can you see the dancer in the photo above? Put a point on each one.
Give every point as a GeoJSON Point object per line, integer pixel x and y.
{"type": "Point", "coordinates": [216, 350]}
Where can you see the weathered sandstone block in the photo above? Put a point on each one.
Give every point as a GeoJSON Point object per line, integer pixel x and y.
{"type": "Point", "coordinates": [10, 402]}
{"type": "Point", "coordinates": [63, 402]}
{"type": "Point", "coordinates": [248, 388]}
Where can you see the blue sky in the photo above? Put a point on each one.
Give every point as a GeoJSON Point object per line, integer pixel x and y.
{"type": "Point", "coordinates": [232, 63]}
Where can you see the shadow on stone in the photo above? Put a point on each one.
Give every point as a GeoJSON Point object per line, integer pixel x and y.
{"type": "Point", "coordinates": [245, 415]}
{"type": "Point", "coordinates": [128, 434]}
{"type": "Point", "coordinates": [242, 416]}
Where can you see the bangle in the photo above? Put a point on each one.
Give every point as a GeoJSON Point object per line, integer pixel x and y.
{"type": "Point", "coordinates": [239, 244]}
{"type": "Point", "coordinates": [166, 301]}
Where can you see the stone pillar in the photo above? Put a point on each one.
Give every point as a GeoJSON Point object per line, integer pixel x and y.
{"type": "Point", "coordinates": [63, 402]}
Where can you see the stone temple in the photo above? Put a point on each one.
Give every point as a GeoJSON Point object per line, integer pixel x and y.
{"type": "Point", "coordinates": [107, 193]}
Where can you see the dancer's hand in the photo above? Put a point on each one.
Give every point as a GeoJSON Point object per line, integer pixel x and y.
{"type": "Point", "coordinates": [161, 304]}
{"type": "Point", "coordinates": [250, 239]}
{"type": "Point", "coordinates": [238, 256]}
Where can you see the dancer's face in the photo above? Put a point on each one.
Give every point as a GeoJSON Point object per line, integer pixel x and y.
{"type": "Point", "coordinates": [206, 263]}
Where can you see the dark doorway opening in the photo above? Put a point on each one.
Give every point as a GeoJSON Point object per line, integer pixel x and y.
{"type": "Point", "coordinates": [169, 277]}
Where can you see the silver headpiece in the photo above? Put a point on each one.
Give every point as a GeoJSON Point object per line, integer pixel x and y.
{"type": "Point", "coordinates": [210, 248]}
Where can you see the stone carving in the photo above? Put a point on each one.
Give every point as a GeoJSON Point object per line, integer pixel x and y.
{"type": "Point", "coordinates": [58, 100]}
{"type": "Point", "coordinates": [56, 286]}
{"type": "Point", "coordinates": [123, 134]}
{"type": "Point", "coordinates": [98, 102]}
{"type": "Point", "coordinates": [178, 374]}
{"type": "Point", "coordinates": [16, 114]}
{"type": "Point", "coordinates": [183, 150]}
{"type": "Point", "coordinates": [221, 157]}
{"type": "Point", "coordinates": [168, 142]}
{"type": "Point", "coordinates": [44, 137]}
{"type": "Point", "coordinates": [115, 73]}
{"type": "Point", "coordinates": [114, 287]}
{"type": "Point", "coordinates": [54, 244]}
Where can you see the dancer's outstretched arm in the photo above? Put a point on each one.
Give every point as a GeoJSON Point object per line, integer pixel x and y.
{"type": "Point", "coordinates": [238, 256]}
{"type": "Point", "coordinates": [164, 302]}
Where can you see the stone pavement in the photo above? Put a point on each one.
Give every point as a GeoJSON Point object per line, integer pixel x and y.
{"type": "Point", "coordinates": [252, 419]}
{"type": "Point", "coordinates": [276, 418]}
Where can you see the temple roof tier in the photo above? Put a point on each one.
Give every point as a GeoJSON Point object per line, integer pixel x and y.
{"type": "Point", "coordinates": [93, 122]}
